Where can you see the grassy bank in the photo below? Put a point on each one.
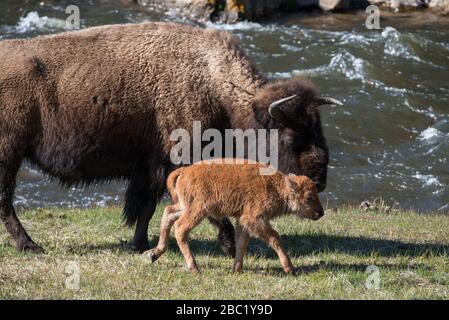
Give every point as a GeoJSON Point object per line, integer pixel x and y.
{"type": "Point", "coordinates": [331, 256]}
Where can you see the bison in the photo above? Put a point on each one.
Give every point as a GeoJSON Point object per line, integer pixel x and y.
{"type": "Point", "coordinates": [99, 104]}
{"type": "Point", "coordinates": [223, 188]}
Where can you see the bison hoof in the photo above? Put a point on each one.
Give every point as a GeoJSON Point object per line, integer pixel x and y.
{"type": "Point", "coordinates": [228, 250]}
{"type": "Point", "coordinates": [30, 246]}
{"type": "Point", "coordinates": [226, 239]}
{"type": "Point", "coordinates": [227, 245]}
{"type": "Point", "coordinates": [141, 247]}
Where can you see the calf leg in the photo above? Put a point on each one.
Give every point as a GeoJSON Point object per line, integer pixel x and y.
{"type": "Point", "coordinates": [170, 215]}
{"type": "Point", "coordinates": [269, 235]}
{"type": "Point", "coordinates": [185, 223]}
{"type": "Point", "coordinates": [241, 243]}
{"type": "Point", "coordinates": [9, 165]}
{"type": "Point", "coordinates": [226, 235]}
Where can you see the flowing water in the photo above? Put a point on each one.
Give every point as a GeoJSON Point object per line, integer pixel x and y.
{"type": "Point", "coordinates": [390, 140]}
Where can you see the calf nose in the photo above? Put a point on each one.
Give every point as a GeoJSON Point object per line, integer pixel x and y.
{"type": "Point", "coordinates": [319, 214]}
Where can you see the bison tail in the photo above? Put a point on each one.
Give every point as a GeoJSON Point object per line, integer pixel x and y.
{"type": "Point", "coordinates": [171, 184]}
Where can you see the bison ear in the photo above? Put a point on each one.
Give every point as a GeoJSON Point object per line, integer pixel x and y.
{"type": "Point", "coordinates": [261, 115]}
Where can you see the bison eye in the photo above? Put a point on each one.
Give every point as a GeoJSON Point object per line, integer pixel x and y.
{"type": "Point", "coordinates": [299, 141]}
{"type": "Point", "coordinates": [299, 144]}
{"type": "Point", "coordinates": [288, 139]}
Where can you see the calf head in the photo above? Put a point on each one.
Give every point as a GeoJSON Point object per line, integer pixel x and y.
{"type": "Point", "coordinates": [304, 200]}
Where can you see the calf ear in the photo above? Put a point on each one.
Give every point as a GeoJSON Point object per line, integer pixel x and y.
{"type": "Point", "coordinates": [292, 182]}
{"type": "Point", "coordinates": [292, 178]}
{"type": "Point", "coordinates": [299, 181]}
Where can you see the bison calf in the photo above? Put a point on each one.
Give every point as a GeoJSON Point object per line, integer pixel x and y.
{"type": "Point", "coordinates": [211, 189]}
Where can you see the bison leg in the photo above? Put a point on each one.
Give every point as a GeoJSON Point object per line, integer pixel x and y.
{"type": "Point", "coordinates": [140, 204]}
{"type": "Point", "coordinates": [140, 239]}
{"type": "Point", "coordinates": [226, 235]}
{"type": "Point", "coordinates": [9, 165]}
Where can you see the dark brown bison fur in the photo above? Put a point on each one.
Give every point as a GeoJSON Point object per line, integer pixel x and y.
{"type": "Point", "coordinates": [100, 104]}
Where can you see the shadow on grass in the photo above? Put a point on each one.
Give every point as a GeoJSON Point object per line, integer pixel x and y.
{"type": "Point", "coordinates": [333, 266]}
{"type": "Point", "coordinates": [361, 267]}
{"type": "Point", "coordinates": [297, 246]}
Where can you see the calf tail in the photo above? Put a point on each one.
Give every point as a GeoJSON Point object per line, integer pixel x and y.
{"type": "Point", "coordinates": [171, 184]}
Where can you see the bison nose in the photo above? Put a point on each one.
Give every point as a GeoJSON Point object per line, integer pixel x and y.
{"type": "Point", "coordinates": [320, 186]}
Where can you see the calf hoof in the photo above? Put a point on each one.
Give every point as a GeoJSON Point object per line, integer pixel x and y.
{"type": "Point", "coordinates": [237, 269]}
{"type": "Point", "coordinates": [30, 246]}
{"type": "Point", "coordinates": [193, 269]}
{"type": "Point", "coordinates": [152, 255]}
{"type": "Point", "coordinates": [289, 270]}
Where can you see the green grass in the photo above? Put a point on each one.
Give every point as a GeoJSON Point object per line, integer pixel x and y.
{"type": "Point", "coordinates": [331, 257]}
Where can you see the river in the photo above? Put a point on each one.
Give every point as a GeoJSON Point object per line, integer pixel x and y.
{"type": "Point", "coordinates": [391, 138]}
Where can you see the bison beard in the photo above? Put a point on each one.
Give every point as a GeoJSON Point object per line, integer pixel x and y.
{"type": "Point", "coordinates": [99, 104]}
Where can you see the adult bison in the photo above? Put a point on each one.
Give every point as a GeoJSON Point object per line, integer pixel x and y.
{"type": "Point", "coordinates": [100, 104]}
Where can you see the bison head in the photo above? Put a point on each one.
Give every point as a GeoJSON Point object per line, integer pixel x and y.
{"type": "Point", "coordinates": [292, 107]}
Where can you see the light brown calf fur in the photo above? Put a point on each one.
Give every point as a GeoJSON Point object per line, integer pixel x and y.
{"type": "Point", "coordinates": [209, 189]}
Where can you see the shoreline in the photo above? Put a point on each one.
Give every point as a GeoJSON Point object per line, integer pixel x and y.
{"type": "Point", "coordinates": [375, 206]}
{"type": "Point", "coordinates": [232, 11]}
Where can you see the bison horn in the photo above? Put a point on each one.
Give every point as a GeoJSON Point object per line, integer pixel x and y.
{"type": "Point", "coordinates": [328, 100]}
{"type": "Point", "coordinates": [276, 113]}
